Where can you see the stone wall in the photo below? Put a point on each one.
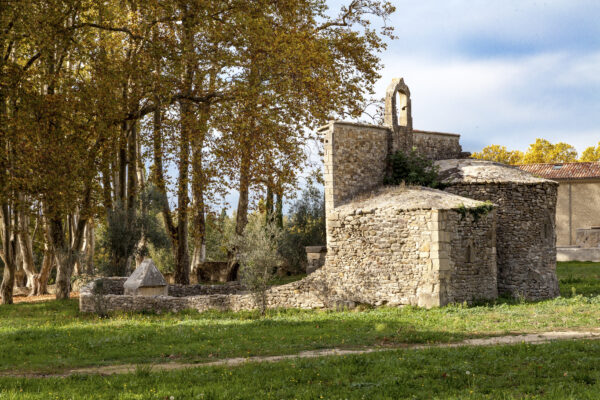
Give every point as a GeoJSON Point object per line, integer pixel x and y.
{"type": "Point", "coordinates": [399, 247]}
{"type": "Point", "coordinates": [382, 255]}
{"type": "Point", "coordinates": [472, 249]}
{"type": "Point", "coordinates": [112, 285]}
{"type": "Point", "coordinates": [437, 145]}
{"type": "Point", "coordinates": [355, 160]}
{"type": "Point", "coordinates": [307, 293]}
{"type": "Point", "coordinates": [525, 236]}
{"type": "Point", "coordinates": [575, 253]}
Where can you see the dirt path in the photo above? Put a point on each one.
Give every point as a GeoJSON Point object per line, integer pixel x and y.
{"type": "Point", "coordinates": [41, 298]}
{"type": "Point", "coordinates": [532, 338]}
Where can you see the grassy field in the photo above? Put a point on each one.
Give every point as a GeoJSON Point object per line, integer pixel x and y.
{"type": "Point", "coordinates": [53, 336]}
{"type": "Point", "coordinates": [579, 278]}
{"type": "Point", "coordinates": [560, 370]}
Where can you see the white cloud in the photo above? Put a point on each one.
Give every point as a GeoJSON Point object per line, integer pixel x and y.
{"type": "Point", "coordinates": [509, 101]}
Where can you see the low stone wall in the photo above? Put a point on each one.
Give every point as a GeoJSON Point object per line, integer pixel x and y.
{"type": "Point", "coordinates": [302, 294]}
{"type": "Point", "coordinates": [112, 285]}
{"type": "Point", "coordinates": [197, 290]}
{"type": "Point", "coordinates": [437, 145]}
{"type": "Point", "coordinates": [575, 253]}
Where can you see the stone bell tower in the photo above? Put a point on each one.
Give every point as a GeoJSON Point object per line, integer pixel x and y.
{"type": "Point", "coordinates": [398, 116]}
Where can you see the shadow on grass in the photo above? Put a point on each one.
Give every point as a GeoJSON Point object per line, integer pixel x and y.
{"type": "Point", "coordinates": [51, 335]}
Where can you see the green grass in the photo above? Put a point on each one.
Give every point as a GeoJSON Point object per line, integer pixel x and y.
{"type": "Point", "coordinates": [579, 277]}
{"type": "Point", "coordinates": [560, 370]}
{"type": "Point", "coordinates": [53, 335]}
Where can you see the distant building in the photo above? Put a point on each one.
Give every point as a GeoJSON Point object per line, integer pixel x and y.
{"type": "Point", "coordinates": [578, 204]}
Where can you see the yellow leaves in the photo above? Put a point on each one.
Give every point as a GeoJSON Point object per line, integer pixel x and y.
{"type": "Point", "coordinates": [500, 154]}
{"type": "Point", "coordinates": [542, 151]}
{"type": "Point", "coordinates": [591, 154]}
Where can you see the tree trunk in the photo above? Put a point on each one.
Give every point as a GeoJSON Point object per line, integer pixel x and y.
{"type": "Point", "coordinates": [199, 181]}
{"type": "Point", "coordinates": [8, 247]}
{"type": "Point", "coordinates": [182, 258]}
{"type": "Point", "coordinates": [8, 282]}
{"type": "Point", "coordinates": [121, 189]}
{"type": "Point", "coordinates": [9, 250]}
{"type": "Point", "coordinates": [279, 208]}
{"type": "Point", "coordinates": [187, 118]}
{"type": "Point", "coordinates": [86, 262]}
{"type": "Point", "coordinates": [142, 246]}
{"type": "Point", "coordinates": [242, 214]}
{"type": "Point", "coordinates": [62, 256]}
{"type": "Point", "coordinates": [269, 203]}
{"type": "Point", "coordinates": [107, 190]}
{"type": "Point", "coordinates": [65, 250]}
{"type": "Point", "coordinates": [20, 276]}
{"type": "Point", "coordinates": [199, 253]}
{"type": "Point", "coordinates": [242, 209]}
{"type": "Point", "coordinates": [64, 271]}
{"type": "Point", "coordinates": [132, 177]}
{"type": "Point", "coordinates": [40, 281]}
{"type": "Point", "coordinates": [26, 248]}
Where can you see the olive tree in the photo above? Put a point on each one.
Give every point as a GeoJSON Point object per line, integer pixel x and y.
{"type": "Point", "coordinates": [258, 256]}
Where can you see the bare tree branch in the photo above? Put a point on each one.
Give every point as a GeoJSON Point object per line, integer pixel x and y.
{"type": "Point", "coordinates": [29, 63]}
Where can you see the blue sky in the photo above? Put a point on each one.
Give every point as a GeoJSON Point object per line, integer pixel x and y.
{"type": "Point", "coordinates": [498, 71]}
{"type": "Point", "coordinates": [504, 72]}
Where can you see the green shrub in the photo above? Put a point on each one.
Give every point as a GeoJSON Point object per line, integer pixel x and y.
{"type": "Point", "coordinates": [258, 255]}
{"type": "Point", "coordinates": [412, 169]}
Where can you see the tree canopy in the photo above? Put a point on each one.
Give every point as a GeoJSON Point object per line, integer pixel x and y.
{"type": "Point", "coordinates": [102, 101]}
{"type": "Point", "coordinates": [542, 151]}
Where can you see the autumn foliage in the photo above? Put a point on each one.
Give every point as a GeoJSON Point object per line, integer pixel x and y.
{"type": "Point", "coordinates": [102, 101]}
{"type": "Point", "coordinates": [542, 151]}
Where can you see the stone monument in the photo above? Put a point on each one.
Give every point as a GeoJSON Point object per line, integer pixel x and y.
{"type": "Point", "coordinates": [146, 280]}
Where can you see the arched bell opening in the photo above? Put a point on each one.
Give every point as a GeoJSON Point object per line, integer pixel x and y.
{"type": "Point", "coordinates": [401, 108]}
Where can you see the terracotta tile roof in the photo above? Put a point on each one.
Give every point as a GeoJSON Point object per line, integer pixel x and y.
{"type": "Point", "coordinates": [558, 171]}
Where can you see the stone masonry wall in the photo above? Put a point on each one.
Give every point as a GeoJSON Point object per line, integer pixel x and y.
{"type": "Point", "coordinates": [437, 146]}
{"type": "Point", "coordinates": [410, 257]}
{"type": "Point", "coordinates": [307, 293]}
{"type": "Point", "coordinates": [379, 255]}
{"type": "Point", "coordinates": [355, 160]}
{"type": "Point", "coordinates": [472, 248]}
{"type": "Point", "coordinates": [525, 236]}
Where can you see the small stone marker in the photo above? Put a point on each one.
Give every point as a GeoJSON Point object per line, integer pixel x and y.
{"type": "Point", "coordinates": [146, 280]}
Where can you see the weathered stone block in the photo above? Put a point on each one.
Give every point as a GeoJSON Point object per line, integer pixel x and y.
{"type": "Point", "coordinates": [146, 280]}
